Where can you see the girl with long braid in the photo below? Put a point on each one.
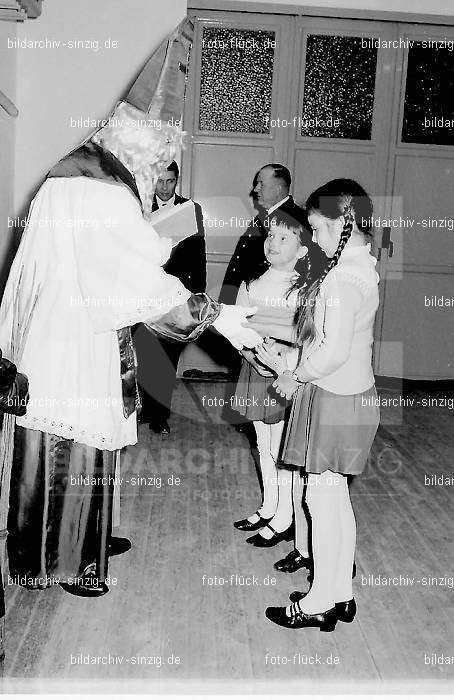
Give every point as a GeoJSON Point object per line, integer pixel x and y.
{"type": "Point", "coordinates": [334, 415]}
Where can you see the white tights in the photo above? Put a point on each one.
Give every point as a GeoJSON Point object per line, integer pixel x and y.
{"type": "Point", "coordinates": [333, 540]}
{"type": "Point", "coordinates": [301, 523]}
{"type": "Point", "coordinates": [277, 483]}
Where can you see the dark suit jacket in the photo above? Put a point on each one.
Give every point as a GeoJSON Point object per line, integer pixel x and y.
{"type": "Point", "coordinates": [188, 259]}
{"type": "Point", "coordinates": [248, 260]}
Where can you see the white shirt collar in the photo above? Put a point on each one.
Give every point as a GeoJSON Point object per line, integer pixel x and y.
{"type": "Point", "coordinates": [355, 252]}
{"type": "Point", "coordinates": [277, 205]}
{"type": "Point", "coordinates": [352, 251]}
{"type": "Point", "coordinates": [285, 275]}
{"type": "Point", "coordinates": [161, 203]}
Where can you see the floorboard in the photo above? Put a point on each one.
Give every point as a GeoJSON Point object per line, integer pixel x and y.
{"type": "Point", "coordinates": [187, 601]}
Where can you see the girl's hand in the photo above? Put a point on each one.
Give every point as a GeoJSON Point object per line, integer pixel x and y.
{"type": "Point", "coordinates": [263, 372]}
{"type": "Point", "coordinates": [285, 385]}
{"type": "Point", "coordinates": [271, 358]}
{"type": "Point", "coordinates": [250, 357]}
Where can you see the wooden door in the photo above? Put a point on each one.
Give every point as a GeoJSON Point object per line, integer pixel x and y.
{"type": "Point", "coordinates": [345, 73]}
{"type": "Point", "coordinates": [238, 84]}
{"type": "Point", "coordinates": [346, 98]}
{"type": "Point", "coordinates": [415, 331]}
{"type": "Point", "coordinates": [343, 104]}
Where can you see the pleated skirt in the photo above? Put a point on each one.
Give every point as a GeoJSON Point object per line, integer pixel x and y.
{"type": "Point", "coordinates": [330, 431]}
{"type": "Point", "coordinates": [60, 514]}
{"type": "Point", "coordinates": [255, 398]}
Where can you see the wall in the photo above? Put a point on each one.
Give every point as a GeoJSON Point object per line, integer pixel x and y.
{"type": "Point", "coordinates": [7, 142]}
{"type": "Point", "coordinates": [442, 7]}
{"type": "Point", "coordinates": [55, 85]}
{"type": "Point", "coordinates": [60, 84]}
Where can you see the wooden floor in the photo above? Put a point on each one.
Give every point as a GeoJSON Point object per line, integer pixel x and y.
{"type": "Point", "coordinates": [164, 603]}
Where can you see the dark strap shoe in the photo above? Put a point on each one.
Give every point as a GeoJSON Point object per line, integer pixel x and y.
{"type": "Point", "coordinates": [325, 621]}
{"type": "Point", "coordinates": [258, 541]}
{"type": "Point", "coordinates": [160, 427]}
{"type": "Point", "coordinates": [118, 545]}
{"type": "Point", "coordinates": [247, 526]}
{"type": "Point", "coordinates": [87, 585]}
{"type": "Point", "coordinates": [345, 611]}
{"type": "Point", "coordinates": [292, 562]}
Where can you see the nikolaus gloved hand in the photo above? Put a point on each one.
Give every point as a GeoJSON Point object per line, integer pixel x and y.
{"type": "Point", "coordinates": [230, 323]}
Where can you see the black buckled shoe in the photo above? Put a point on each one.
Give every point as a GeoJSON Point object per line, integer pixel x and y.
{"type": "Point", "coordinates": [247, 526]}
{"type": "Point", "coordinates": [292, 562]}
{"type": "Point", "coordinates": [345, 611]}
{"type": "Point", "coordinates": [160, 427]}
{"type": "Point", "coordinates": [325, 621]}
{"type": "Point", "coordinates": [258, 541]}
{"type": "Point", "coordinates": [87, 585]}
{"type": "Point", "coordinates": [118, 545]}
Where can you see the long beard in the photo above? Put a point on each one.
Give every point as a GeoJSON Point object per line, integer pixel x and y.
{"type": "Point", "coordinates": [145, 146]}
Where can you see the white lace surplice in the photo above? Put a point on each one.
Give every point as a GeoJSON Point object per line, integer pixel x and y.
{"type": "Point", "coordinates": [93, 264]}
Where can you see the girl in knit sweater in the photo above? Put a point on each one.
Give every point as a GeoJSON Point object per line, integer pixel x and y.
{"type": "Point", "coordinates": [286, 249]}
{"type": "Point", "coordinates": [334, 415]}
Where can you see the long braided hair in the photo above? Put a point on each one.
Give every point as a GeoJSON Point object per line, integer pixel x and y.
{"type": "Point", "coordinates": [340, 197]}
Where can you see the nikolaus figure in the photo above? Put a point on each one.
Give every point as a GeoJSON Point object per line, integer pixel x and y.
{"type": "Point", "coordinates": [89, 266]}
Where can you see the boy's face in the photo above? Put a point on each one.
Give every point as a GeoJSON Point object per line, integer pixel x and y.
{"type": "Point", "coordinates": [166, 184]}
{"type": "Point", "coordinates": [283, 248]}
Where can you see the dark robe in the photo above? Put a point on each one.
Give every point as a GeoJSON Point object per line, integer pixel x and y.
{"type": "Point", "coordinates": [13, 399]}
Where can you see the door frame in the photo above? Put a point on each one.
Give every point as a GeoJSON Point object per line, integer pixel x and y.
{"type": "Point", "coordinates": [282, 59]}
{"type": "Point", "coordinates": [315, 11]}
{"type": "Point", "coordinates": [404, 24]}
{"type": "Point", "coordinates": [394, 268]}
